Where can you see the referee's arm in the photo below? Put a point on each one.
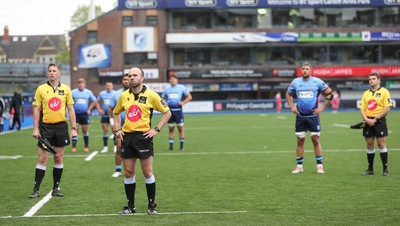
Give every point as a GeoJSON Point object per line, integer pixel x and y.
{"type": "Point", "coordinates": [36, 116]}
{"type": "Point", "coordinates": [72, 119]}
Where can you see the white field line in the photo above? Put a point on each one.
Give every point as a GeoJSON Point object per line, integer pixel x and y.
{"type": "Point", "coordinates": [91, 156]}
{"type": "Point", "coordinates": [2, 157]}
{"type": "Point", "coordinates": [38, 205]}
{"type": "Point", "coordinates": [224, 153]}
{"type": "Point", "coordinates": [136, 214]}
{"type": "Point", "coordinates": [341, 125]}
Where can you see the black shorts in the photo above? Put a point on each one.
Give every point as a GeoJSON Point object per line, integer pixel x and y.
{"type": "Point", "coordinates": [378, 130]}
{"type": "Point", "coordinates": [105, 119]}
{"type": "Point", "coordinates": [176, 116]}
{"type": "Point", "coordinates": [82, 119]}
{"type": "Point", "coordinates": [56, 134]}
{"type": "Point", "coordinates": [135, 145]}
{"type": "Point", "coordinates": [304, 124]}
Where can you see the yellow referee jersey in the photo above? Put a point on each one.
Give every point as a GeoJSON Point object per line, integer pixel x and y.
{"type": "Point", "coordinates": [139, 110]}
{"type": "Point", "coordinates": [374, 102]}
{"type": "Point", "coordinates": [53, 102]}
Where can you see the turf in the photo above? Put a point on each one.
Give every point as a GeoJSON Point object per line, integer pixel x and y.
{"type": "Point", "coordinates": [235, 170]}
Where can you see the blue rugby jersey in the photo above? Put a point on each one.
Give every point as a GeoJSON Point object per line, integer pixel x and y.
{"type": "Point", "coordinates": [105, 97]}
{"type": "Point", "coordinates": [82, 100]}
{"type": "Point", "coordinates": [173, 95]}
{"type": "Point", "coordinates": [307, 92]}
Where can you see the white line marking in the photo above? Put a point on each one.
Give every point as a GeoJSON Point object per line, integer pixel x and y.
{"type": "Point", "coordinates": [38, 205]}
{"type": "Point", "coordinates": [136, 214]}
{"type": "Point", "coordinates": [341, 125]}
{"type": "Point", "coordinates": [91, 156]}
{"type": "Point", "coordinates": [216, 152]}
{"type": "Point", "coordinates": [10, 157]}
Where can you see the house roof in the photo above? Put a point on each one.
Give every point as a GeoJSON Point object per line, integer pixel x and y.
{"type": "Point", "coordinates": [25, 46]}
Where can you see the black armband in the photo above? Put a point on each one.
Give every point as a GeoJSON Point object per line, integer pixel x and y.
{"type": "Point", "coordinates": [329, 96]}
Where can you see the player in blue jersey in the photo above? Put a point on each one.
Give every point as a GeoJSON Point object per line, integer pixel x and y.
{"type": "Point", "coordinates": [306, 90]}
{"type": "Point", "coordinates": [104, 100]}
{"type": "Point", "coordinates": [117, 157]}
{"type": "Point", "coordinates": [173, 95]}
{"type": "Point", "coordinates": [84, 102]}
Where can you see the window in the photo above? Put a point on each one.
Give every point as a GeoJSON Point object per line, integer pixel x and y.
{"type": "Point", "coordinates": [391, 54]}
{"type": "Point", "coordinates": [127, 21]}
{"type": "Point", "coordinates": [191, 57]}
{"type": "Point", "coordinates": [390, 16]}
{"type": "Point", "coordinates": [93, 75]}
{"type": "Point", "coordinates": [151, 20]}
{"type": "Point", "coordinates": [143, 59]}
{"type": "Point", "coordinates": [92, 37]}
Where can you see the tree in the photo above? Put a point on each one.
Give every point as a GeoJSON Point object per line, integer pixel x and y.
{"type": "Point", "coordinates": [81, 15]}
{"type": "Point", "coordinates": [63, 56]}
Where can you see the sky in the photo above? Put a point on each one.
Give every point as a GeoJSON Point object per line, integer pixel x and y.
{"type": "Point", "coordinates": [41, 17]}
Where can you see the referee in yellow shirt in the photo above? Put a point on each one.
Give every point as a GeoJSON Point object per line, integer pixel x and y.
{"type": "Point", "coordinates": [49, 121]}
{"type": "Point", "coordinates": [375, 105]}
{"type": "Point", "coordinates": [136, 134]}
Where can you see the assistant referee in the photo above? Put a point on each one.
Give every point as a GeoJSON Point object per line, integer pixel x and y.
{"type": "Point", "coordinates": [49, 121]}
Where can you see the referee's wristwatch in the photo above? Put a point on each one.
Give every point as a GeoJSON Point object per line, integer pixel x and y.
{"type": "Point", "coordinates": [157, 129]}
{"type": "Point", "coordinates": [74, 128]}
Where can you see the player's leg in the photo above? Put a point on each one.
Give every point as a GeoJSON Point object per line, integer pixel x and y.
{"type": "Point", "coordinates": [383, 151]}
{"type": "Point", "coordinates": [40, 171]}
{"type": "Point", "coordinates": [1, 121]}
{"type": "Point", "coordinates": [62, 140]}
{"type": "Point", "coordinates": [57, 171]}
{"type": "Point", "coordinates": [368, 133]}
{"type": "Point", "coordinates": [315, 138]}
{"type": "Point", "coordinates": [300, 131]}
{"type": "Point", "coordinates": [130, 185]}
{"type": "Point", "coordinates": [314, 126]}
{"type": "Point", "coordinates": [85, 131]}
{"type": "Point", "coordinates": [381, 134]}
{"type": "Point", "coordinates": [181, 129]}
{"type": "Point", "coordinates": [171, 128]}
{"type": "Point", "coordinates": [117, 159]}
{"type": "Point", "coordinates": [46, 131]}
{"type": "Point", "coordinates": [147, 168]}
{"type": "Point", "coordinates": [104, 124]}
{"type": "Point", "coordinates": [75, 139]}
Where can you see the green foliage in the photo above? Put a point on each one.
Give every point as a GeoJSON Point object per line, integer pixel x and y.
{"type": "Point", "coordinates": [81, 15]}
{"type": "Point", "coordinates": [63, 56]}
{"type": "Point", "coordinates": [235, 170]}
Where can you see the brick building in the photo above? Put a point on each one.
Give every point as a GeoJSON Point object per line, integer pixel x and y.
{"type": "Point", "coordinates": [227, 49]}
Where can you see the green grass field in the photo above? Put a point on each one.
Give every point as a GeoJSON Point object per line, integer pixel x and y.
{"type": "Point", "coordinates": [236, 170]}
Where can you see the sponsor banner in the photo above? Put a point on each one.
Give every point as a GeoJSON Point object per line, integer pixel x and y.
{"type": "Point", "coordinates": [238, 86]}
{"type": "Point", "coordinates": [111, 73]}
{"type": "Point", "coordinates": [234, 73]}
{"type": "Point", "coordinates": [267, 86]}
{"type": "Point", "coordinates": [263, 105]}
{"type": "Point", "coordinates": [94, 56]}
{"type": "Point", "coordinates": [353, 71]}
{"type": "Point", "coordinates": [139, 39]}
{"type": "Point", "coordinates": [330, 37]}
{"type": "Point", "coordinates": [222, 73]}
{"type": "Point", "coordinates": [330, 3]}
{"type": "Point", "coordinates": [172, 4]}
{"type": "Point", "coordinates": [392, 84]}
{"type": "Point", "coordinates": [231, 37]}
{"type": "Point", "coordinates": [141, 4]}
{"type": "Point", "coordinates": [198, 107]}
{"type": "Point", "coordinates": [157, 87]}
{"type": "Point", "coordinates": [384, 36]}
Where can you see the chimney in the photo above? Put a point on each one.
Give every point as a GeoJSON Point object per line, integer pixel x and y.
{"type": "Point", "coordinates": [92, 11]}
{"type": "Point", "coordinates": [6, 35]}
